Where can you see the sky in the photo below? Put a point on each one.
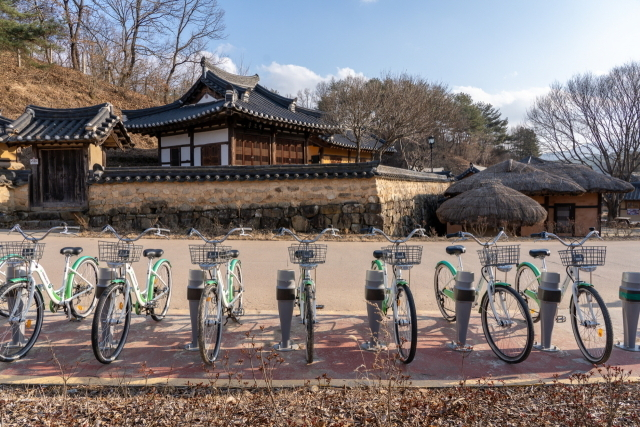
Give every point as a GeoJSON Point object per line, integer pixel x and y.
{"type": "Point", "coordinates": [502, 52]}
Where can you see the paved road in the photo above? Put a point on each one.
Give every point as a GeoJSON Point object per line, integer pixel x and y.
{"type": "Point", "coordinates": [341, 280]}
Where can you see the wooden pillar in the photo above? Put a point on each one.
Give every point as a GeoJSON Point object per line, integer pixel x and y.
{"type": "Point", "coordinates": [305, 149]}
{"type": "Point", "coordinates": [599, 226]}
{"type": "Point", "coordinates": [272, 149]}
{"type": "Point", "coordinates": [231, 123]}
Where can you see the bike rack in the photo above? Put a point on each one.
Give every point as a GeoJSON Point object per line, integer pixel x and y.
{"type": "Point", "coordinates": [105, 276]}
{"type": "Point", "coordinates": [630, 296]}
{"type": "Point", "coordinates": [17, 328]}
{"type": "Point", "coordinates": [374, 294]}
{"type": "Point", "coordinates": [550, 296]}
{"type": "Point", "coordinates": [195, 286]}
{"type": "Point", "coordinates": [465, 296]}
{"type": "Point", "coordinates": [286, 296]}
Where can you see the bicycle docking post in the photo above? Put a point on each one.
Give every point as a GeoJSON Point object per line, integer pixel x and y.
{"type": "Point", "coordinates": [17, 328]}
{"type": "Point", "coordinates": [105, 276]}
{"type": "Point", "coordinates": [630, 296]}
{"type": "Point", "coordinates": [464, 295]}
{"type": "Point", "coordinates": [550, 296]}
{"type": "Point", "coordinates": [374, 291]}
{"type": "Point", "coordinates": [195, 286]}
{"type": "Point", "coordinates": [286, 296]}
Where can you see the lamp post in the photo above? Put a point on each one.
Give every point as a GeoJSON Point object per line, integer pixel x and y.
{"type": "Point", "coordinates": [432, 141]}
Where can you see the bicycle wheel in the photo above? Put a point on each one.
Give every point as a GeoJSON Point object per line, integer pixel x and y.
{"type": "Point", "coordinates": [445, 280]}
{"type": "Point", "coordinates": [594, 334]}
{"type": "Point", "coordinates": [161, 286]}
{"type": "Point", "coordinates": [20, 322]}
{"type": "Point", "coordinates": [209, 324]}
{"type": "Point", "coordinates": [309, 301]}
{"type": "Point", "coordinates": [111, 322]}
{"type": "Point", "coordinates": [406, 326]}
{"type": "Point", "coordinates": [237, 288]}
{"type": "Point", "coordinates": [510, 335]}
{"type": "Point", "coordinates": [85, 280]}
{"type": "Point", "coordinates": [526, 279]}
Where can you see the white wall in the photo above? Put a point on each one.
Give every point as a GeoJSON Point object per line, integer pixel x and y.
{"type": "Point", "coordinates": [173, 140]}
{"type": "Point", "coordinates": [203, 138]}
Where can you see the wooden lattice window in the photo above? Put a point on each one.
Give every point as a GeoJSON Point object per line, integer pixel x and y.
{"type": "Point", "coordinates": [289, 151]}
{"type": "Point", "coordinates": [252, 149]}
{"type": "Point", "coordinates": [211, 155]}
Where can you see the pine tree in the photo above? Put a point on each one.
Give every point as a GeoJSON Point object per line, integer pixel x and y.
{"type": "Point", "coordinates": [22, 32]}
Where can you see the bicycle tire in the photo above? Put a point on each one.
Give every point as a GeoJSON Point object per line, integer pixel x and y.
{"type": "Point", "coordinates": [163, 271]}
{"type": "Point", "coordinates": [111, 304]}
{"type": "Point", "coordinates": [309, 300]}
{"type": "Point", "coordinates": [82, 306]}
{"type": "Point", "coordinates": [527, 279]}
{"type": "Point", "coordinates": [592, 333]}
{"type": "Point", "coordinates": [209, 324]}
{"type": "Point", "coordinates": [10, 350]}
{"type": "Point", "coordinates": [515, 306]}
{"type": "Point", "coordinates": [406, 353]}
{"type": "Point", "coordinates": [441, 282]}
{"type": "Point", "coordinates": [237, 288]}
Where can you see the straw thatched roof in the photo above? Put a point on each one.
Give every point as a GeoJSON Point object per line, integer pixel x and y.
{"type": "Point", "coordinates": [582, 175]}
{"type": "Point", "coordinates": [494, 203]}
{"type": "Point", "coordinates": [524, 178]}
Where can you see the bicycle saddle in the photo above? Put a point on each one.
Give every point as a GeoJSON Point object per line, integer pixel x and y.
{"type": "Point", "coordinates": [378, 254]}
{"type": "Point", "coordinates": [539, 253]}
{"type": "Point", "coordinates": [234, 253]}
{"type": "Point", "coordinates": [153, 253]}
{"type": "Point", "coordinates": [70, 251]}
{"type": "Point", "coordinates": [456, 250]}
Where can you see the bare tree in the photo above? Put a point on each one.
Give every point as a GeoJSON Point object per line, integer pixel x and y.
{"type": "Point", "coordinates": [193, 23]}
{"type": "Point", "coordinates": [594, 120]}
{"type": "Point", "coordinates": [73, 15]}
{"type": "Point", "coordinates": [307, 98]}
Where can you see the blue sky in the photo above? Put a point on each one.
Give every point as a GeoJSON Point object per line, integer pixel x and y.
{"type": "Point", "coordinates": [502, 52]}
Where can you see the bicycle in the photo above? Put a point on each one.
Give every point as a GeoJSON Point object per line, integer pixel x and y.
{"type": "Point", "coordinates": [308, 255]}
{"type": "Point", "coordinates": [112, 318]}
{"type": "Point", "coordinates": [398, 295]}
{"type": "Point", "coordinates": [217, 297]}
{"type": "Point", "coordinates": [506, 321]}
{"type": "Point", "coordinates": [590, 320]}
{"type": "Point", "coordinates": [21, 299]}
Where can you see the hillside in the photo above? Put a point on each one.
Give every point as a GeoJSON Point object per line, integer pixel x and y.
{"type": "Point", "coordinates": [58, 87]}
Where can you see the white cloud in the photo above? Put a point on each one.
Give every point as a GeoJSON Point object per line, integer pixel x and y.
{"type": "Point", "coordinates": [289, 78]}
{"type": "Point", "coordinates": [512, 104]}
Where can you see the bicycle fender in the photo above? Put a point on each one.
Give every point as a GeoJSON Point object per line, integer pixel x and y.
{"type": "Point", "coordinates": [68, 285]}
{"type": "Point", "coordinates": [585, 285]}
{"type": "Point", "coordinates": [152, 277]}
{"type": "Point", "coordinates": [449, 266]}
{"type": "Point", "coordinates": [503, 284]}
{"type": "Point", "coordinates": [533, 267]}
{"type": "Point", "coordinates": [377, 263]}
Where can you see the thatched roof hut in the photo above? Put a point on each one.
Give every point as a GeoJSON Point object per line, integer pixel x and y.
{"type": "Point", "coordinates": [524, 178]}
{"type": "Point", "coordinates": [493, 203]}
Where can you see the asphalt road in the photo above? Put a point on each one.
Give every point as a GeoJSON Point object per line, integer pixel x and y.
{"type": "Point", "coordinates": [340, 281]}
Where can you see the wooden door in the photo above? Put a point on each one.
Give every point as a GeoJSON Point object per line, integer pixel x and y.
{"type": "Point", "coordinates": [289, 151]}
{"type": "Point", "coordinates": [252, 149]}
{"type": "Point", "coordinates": [211, 155]}
{"type": "Point", "coordinates": [61, 179]}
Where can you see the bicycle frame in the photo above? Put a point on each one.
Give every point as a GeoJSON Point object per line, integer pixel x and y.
{"type": "Point", "coordinates": [226, 299]}
{"type": "Point", "coordinates": [304, 280]}
{"type": "Point", "coordinates": [390, 291]}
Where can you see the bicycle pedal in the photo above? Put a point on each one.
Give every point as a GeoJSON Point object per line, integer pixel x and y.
{"type": "Point", "coordinates": [561, 319]}
{"type": "Point", "coordinates": [319, 306]}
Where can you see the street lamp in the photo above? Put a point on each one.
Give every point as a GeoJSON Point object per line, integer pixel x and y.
{"type": "Point", "coordinates": [432, 141]}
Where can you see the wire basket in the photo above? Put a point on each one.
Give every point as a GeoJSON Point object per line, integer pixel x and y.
{"type": "Point", "coordinates": [119, 252]}
{"type": "Point", "coordinates": [584, 256]}
{"type": "Point", "coordinates": [27, 250]}
{"type": "Point", "coordinates": [402, 254]}
{"type": "Point", "coordinates": [499, 255]}
{"type": "Point", "coordinates": [209, 254]}
{"type": "Point", "coordinates": [308, 254]}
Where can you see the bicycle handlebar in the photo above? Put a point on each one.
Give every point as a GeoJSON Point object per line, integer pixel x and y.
{"type": "Point", "coordinates": [280, 232]}
{"type": "Point", "coordinates": [64, 227]}
{"type": "Point", "coordinates": [419, 231]}
{"type": "Point", "coordinates": [158, 232]}
{"type": "Point", "coordinates": [192, 231]}
{"type": "Point", "coordinates": [463, 235]}
{"type": "Point", "coordinates": [545, 235]}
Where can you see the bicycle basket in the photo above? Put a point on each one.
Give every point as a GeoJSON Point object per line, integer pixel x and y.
{"type": "Point", "coordinates": [119, 252]}
{"type": "Point", "coordinates": [584, 256]}
{"type": "Point", "coordinates": [402, 254]}
{"type": "Point", "coordinates": [29, 251]}
{"type": "Point", "coordinates": [308, 254]}
{"type": "Point", "coordinates": [209, 254]}
{"type": "Point", "coordinates": [499, 255]}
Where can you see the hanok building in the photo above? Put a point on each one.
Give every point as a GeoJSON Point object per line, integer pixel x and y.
{"type": "Point", "coordinates": [7, 157]}
{"type": "Point", "coordinates": [66, 144]}
{"type": "Point", "coordinates": [227, 119]}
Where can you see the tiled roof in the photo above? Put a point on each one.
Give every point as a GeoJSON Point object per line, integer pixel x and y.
{"type": "Point", "coordinates": [258, 173]}
{"type": "Point", "coordinates": [635, 194]}
{"type": "Point", "coordinates": [3, 122]}
{"type": "Point", "coordinates": [370, 142]}
{"type": "Point", "coordinates": [473, 169]}
{"type": "Point", "coordinates": [39, 125]}
{"type": "Point", "coordinates": [249, 98]}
